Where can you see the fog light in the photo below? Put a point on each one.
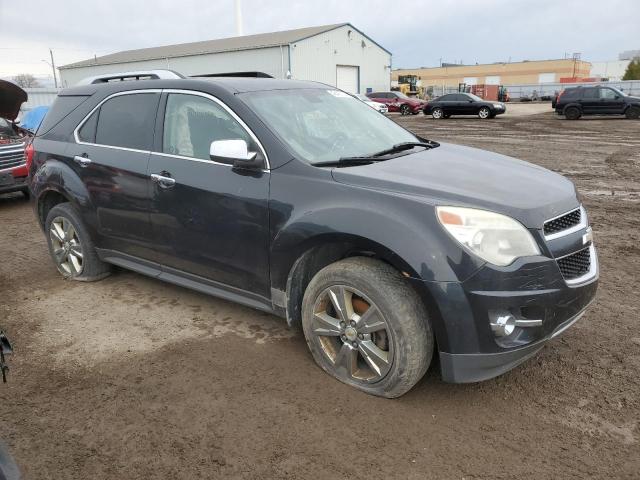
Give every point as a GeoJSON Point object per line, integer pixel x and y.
{"type": "Point", "coordinates": [503, 324]}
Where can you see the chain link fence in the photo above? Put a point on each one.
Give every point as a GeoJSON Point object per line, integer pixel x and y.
{"type": "Point", "coordinates": [543, 91]}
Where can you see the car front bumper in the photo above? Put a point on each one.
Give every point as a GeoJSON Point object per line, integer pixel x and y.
{"type": "Point", "coordinates": [531, 290]}
{"type": "Point", "coordinates": [476, 367]}
{"type": "Point", "coordinates": [10, 183]}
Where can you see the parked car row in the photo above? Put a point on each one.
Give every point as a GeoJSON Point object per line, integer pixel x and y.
{"type": "Point", "coordinates": [440, 107]}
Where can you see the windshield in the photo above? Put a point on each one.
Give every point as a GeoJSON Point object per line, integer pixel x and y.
{"type": "Point", "coordinates": [619, 92]}
{"type": "Point", "coordinates": [324, 125]}
{"type": "Point", "coordinates": [400, 95]}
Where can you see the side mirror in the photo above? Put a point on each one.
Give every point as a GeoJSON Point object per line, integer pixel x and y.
{"type": "Point", "coordinates": [234, 152]}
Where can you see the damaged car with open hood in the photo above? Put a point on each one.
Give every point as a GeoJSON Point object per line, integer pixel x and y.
{"type": "Point", "coordinates": [13, 140]}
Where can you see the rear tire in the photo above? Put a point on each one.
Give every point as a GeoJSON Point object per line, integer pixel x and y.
{"type": "Point", "coordinates": [572, 113]}
{"type": "Point", "coordinates": [632, 113]}
{"type": "Point", "coordinates": [71, 247]}
{"type": "Point", "coordinates": [437, 113]}
{"type": "Point", "coordinates": [382, 344]}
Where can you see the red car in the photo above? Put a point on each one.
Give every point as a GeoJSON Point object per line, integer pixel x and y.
{"type": "Point", "coordinates": [13, 140]}
{"type": "Point", "coordinates": [399, 102]}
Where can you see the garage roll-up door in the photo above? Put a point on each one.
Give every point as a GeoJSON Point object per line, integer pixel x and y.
{"type": "Point", "coordinates": [347, 78]}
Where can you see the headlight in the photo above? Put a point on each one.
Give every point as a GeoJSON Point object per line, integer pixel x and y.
{"type": "Point", "coordinates": [496, 238]}
{"type": "Point", "coordinates": [497, 105]}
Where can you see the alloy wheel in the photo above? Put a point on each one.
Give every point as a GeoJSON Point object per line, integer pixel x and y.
{"type": "Point", "coordinates": [437, 113]}
{"type": "Point", "coordinates": [352, 334]}
{"type": "Point", "coordinates": [484, 113]}
{"type": "Point", "coordinates": [66, 247]}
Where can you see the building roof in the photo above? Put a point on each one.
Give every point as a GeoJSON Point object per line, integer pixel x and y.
{"type": "Point", "coordinates": [247, 42]}
{"type": "Point", "coordinates": [494, 64]}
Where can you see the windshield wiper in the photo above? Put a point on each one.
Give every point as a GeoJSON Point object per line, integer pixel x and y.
{"type": "Point", "coordinates": [367, 159]}
{"type": "Point", "coordinates": [399, 147]}
{"type": "Point", "coordinates": [347, 162]}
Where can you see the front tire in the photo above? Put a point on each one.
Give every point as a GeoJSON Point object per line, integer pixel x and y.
{"type": "Point", "coordinates": [632, 113]}
{"type": "Point", "coordinates": [437, 113]}
{"type": "Point", "coordinates": [484, 113]}
{"type": "Point", "coordinates": [367, 327]}
{"type": "Point", "coordinates": [405, 109]}
{"type": "Point", "coordinates": [71, 247]}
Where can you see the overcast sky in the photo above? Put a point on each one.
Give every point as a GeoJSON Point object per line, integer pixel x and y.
{"type": "Point", "coordinates": [418, 33]}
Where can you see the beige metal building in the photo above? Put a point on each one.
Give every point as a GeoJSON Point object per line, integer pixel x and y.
{"type": "Point", "coordinates": [339, 55]}
{"type": "Point", "coordinates": [527, 72]}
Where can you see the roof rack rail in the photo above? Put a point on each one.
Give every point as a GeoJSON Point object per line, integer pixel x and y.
{"type": "Point", "coordinates": [128, 76]}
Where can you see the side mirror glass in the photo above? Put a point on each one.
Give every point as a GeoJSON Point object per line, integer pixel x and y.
{"type": "Point", "coordinates": [234, 152]}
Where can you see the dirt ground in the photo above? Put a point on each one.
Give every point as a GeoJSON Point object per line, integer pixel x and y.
{"type": "Point", "coordinates": [136, 379]}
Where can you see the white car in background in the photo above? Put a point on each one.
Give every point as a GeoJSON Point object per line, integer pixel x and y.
{"type": "Point", "coordinates": [380, 107]}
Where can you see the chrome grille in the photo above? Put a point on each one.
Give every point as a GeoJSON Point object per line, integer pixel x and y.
{"type": "Point", "coordinates": [564, 222]}
{"type": "Point", "coordinates": [11, 155]}
{"type": "Point", "coordinates": [575, 265]}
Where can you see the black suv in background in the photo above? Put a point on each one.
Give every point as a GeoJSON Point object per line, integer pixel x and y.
{"type": "Point", "coordinates": [596, 100]}
{"type": "Point", "coordinates": [298, 199]}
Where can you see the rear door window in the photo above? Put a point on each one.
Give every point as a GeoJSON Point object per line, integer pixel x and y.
{"type": "Point", "coordinates": [87, 132]}
{"type": "Point", "coordinates": [127, 121]}
{"type": "Point", "coordinates": [590, 93]}
{"type": "Point", "coordinates": [570, 93]}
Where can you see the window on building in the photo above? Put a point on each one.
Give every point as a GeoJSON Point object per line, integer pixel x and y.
{"type": "Point", "coordinates": [546, 78]}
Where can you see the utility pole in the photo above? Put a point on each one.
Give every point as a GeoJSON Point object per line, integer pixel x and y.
{"type": "Point", "coordinates": [53, 68]}
{"type": "Point", "coordinates": [238, 18]}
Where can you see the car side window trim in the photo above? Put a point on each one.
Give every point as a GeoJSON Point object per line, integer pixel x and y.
{"type": "Point", "coordinates": [186, 92]}
{"type": "Point", "coordinates": [233, 114]}
{"type": "Point", "coordinates": [86, 118]}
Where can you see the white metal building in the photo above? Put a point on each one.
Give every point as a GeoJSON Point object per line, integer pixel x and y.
{"type": "Point", "coordinates": [339, 55]}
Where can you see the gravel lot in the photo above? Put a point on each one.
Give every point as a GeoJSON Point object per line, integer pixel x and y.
{"type": "Point", "coordinates": [133, 378]}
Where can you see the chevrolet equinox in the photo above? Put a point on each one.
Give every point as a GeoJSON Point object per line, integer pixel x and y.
{"type": "Point", "coordinates": [298, 199]}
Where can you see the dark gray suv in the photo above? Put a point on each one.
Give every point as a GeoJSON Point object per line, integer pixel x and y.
{"type": "Point", "coordinates": [298, 199]}
{"type": "Point", "coordinates": [596, 100]}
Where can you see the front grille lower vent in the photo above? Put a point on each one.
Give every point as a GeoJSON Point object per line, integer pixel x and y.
{"type": "Point", "coordinates": [564, 222]}
{"type": "Point", "coordinates": [575, 265]}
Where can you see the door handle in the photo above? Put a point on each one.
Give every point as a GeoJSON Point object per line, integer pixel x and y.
{"type": "Point", "coordinates": [163, 181]}
{"type": "Point", "coordinates": [82, 161]}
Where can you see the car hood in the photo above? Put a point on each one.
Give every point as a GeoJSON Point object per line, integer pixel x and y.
{"type": "Point", "coordinates": [464, 176]}
{"type": "Point", "coordinates": [11, 98]}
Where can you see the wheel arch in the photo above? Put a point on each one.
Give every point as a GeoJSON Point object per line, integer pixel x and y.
{"type": "Point", "coordinates": [55, 182]}
{"type": "Point", "coordinates": [570, 105]}
{"type": "Point", "coordinates": [324, 250]}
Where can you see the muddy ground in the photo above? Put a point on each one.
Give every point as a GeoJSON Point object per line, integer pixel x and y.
{"type": "Point", "coordinates": [136, 379]}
